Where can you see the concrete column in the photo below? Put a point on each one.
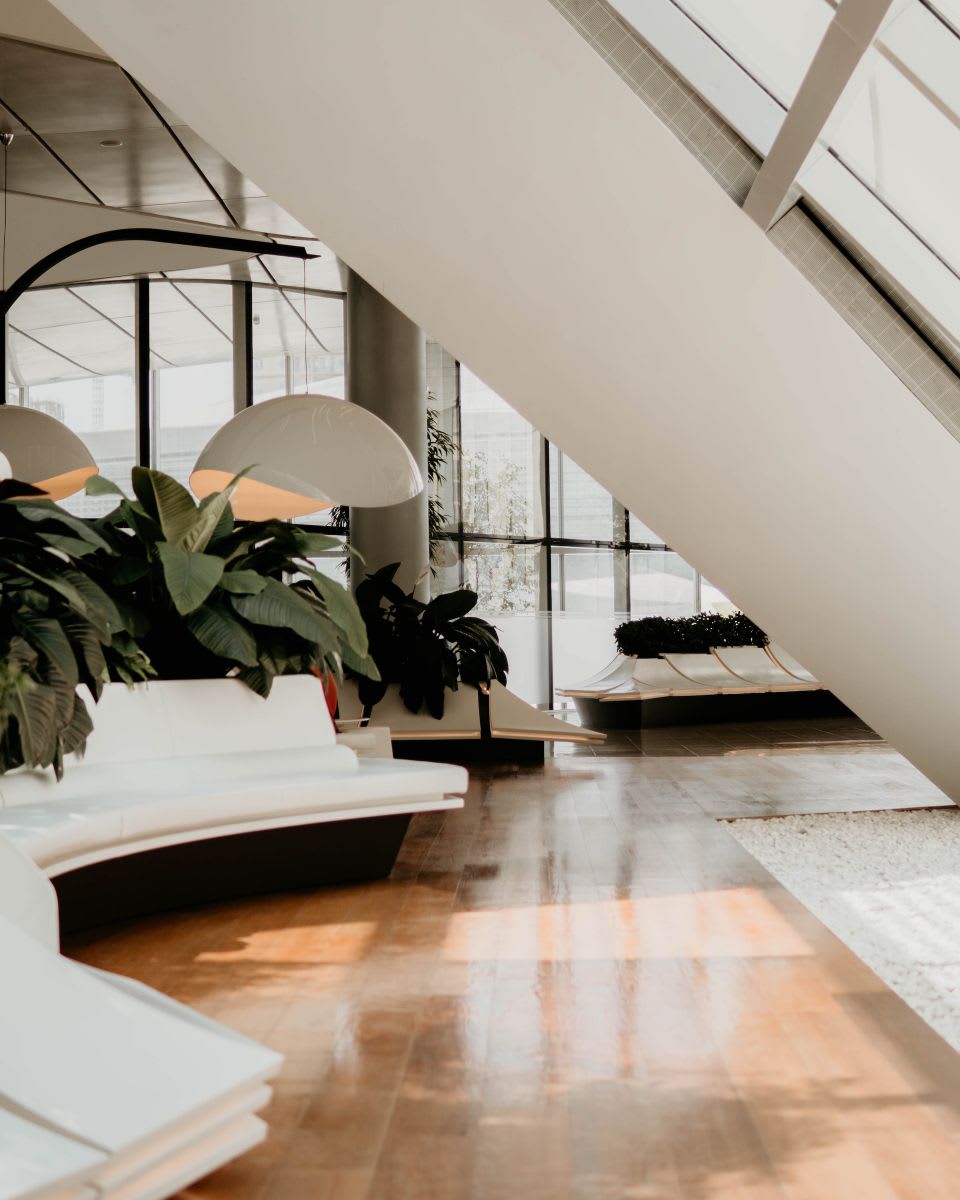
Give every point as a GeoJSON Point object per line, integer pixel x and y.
{"type": "Point", "coordinates": [387, 375]}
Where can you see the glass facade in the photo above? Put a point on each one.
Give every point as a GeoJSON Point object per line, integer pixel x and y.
{"type": "Point", "coordinates": [556, 561]}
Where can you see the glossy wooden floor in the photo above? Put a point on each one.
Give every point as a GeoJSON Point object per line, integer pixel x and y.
{"type": "Point", "coordinates": [580, 987]}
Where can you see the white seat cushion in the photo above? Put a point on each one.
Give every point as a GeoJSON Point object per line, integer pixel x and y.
{"type": "Point", "coordinates": [168, 800]}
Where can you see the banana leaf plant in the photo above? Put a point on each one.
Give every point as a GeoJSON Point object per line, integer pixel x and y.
{"type": "Point", "coordinates": [205, 596]}
{"type": "Point", "coordinates": [58, 629]}
{"type": "Point", "coordinates": [425, 648]}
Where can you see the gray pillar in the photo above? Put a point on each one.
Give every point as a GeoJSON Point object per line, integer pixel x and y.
{"type": "Point", "coordinates": [387, 375]}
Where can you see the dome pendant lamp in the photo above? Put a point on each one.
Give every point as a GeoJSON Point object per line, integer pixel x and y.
{"type": "Point", "coordinates": [41, 450]}
{"type": "Point", "coordinates": [307, 452]}
{"type": "Point", "coordinates": [34, 447]}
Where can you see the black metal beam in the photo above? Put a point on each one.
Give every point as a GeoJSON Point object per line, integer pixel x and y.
{"type": "Point", "coordinates": [242, 345]}
{"type": "Point", "coordinates": [142, 369]}
{"type": "Point", "coordinates": [168, 237]}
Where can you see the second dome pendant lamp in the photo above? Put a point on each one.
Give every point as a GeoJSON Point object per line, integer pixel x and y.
{"type": "Point", "coordinates": [306, 452]}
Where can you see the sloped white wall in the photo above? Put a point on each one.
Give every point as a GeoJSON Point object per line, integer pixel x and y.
{"type": "Point", "coordinates": [484, 169]}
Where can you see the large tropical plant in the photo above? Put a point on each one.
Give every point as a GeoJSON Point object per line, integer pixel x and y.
{"type": "Point", "coordinates": [58, 629]}
{"type": "Point", "coordinates": [208, 596]}
{"type": "Point", "coordinates": [425, 648]}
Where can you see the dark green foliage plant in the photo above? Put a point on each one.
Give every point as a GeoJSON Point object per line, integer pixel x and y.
{"type": "Point", "coordinates": [58, 629]}
{"type": "Point", "coordinates": [206, 596]}
{"type": "Point", "coordinates": [652, 636]}
{"type": "Point", "coordinates": [425, 648]}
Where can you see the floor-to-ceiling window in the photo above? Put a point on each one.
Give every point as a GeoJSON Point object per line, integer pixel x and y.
{"type": "Point", "coordinates": [556, 561]}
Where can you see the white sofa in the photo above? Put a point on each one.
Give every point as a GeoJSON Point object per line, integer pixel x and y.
{"type": "Point", "coordinates": [173, 762]}
{"type": "Point", "coordinates": [108, 1089]}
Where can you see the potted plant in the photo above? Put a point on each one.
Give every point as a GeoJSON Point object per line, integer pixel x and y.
{"type": "Point", "coordinates": [58, 629]}
{"type": "Point", "coordinates": [424, 648]}
{"type": "Point", "coordinates": [206, 596]}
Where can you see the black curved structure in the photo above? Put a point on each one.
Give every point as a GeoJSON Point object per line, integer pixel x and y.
{"type": "Point", "coordinates": [170, 237]}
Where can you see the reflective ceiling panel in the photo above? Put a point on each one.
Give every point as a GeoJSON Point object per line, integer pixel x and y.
{"type": "Point", "coordinates": [62, 108]}
{"type": "Point", "coordinates": [225, 178]}
{"type": "Point", "coordinates": [53, 91]}
{"type": "Point", "coordinates": [147, 167]}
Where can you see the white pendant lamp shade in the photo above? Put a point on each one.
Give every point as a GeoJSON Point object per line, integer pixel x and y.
{"type": "Point", "coordinates": [35, 448]}
{"type": "Point", "coordinates": [307, 452]}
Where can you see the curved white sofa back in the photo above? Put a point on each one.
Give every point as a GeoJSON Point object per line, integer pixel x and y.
{"type": "Point", "coordinates": [27, 897]}
{"type": "Point", "coordinates": [223, 728]}
{"type": "Point", "coordinates": [173, 718]}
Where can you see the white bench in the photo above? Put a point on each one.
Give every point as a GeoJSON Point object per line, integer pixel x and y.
{"type": "Point", "coordinates": [727, 671]}
{"type": "Point", "coordinates": [184, 763]}
{"type": "Point", "coordinates": [509, 718]}
{"type": "Point", "coordinates": [108, 1090]}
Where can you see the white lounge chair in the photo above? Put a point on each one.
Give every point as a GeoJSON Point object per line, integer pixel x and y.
{"type": "Point", "coordinates": [708, 672]}
{"type": "Point", "coordinates": [785, 660]}
{"type": "Point", "coordinates": [615, 673]}
{"type": "Point", "coordinates": [753, 664]}
{"type": "Point", "coordinates": [654, 678]}
{"type": "Point", "coordinates": [513, 718]}
{"type": "Point", "coordinates": [108, 1089]}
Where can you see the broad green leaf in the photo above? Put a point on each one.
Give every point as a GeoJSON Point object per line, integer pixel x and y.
{"type": "Point", "coordinates": [74, 734]}
{"type": "Point", "coordinates": [190, 578]}
{"type": "Point", "coordinates": [312, 545]}
{"type": "Point", "coordinates": [88, 649]}
{"type": "Point", "coordinates": [363, 664]}
{"type": "Point", "coordinates": [48, 638]}
{"type": "Point", "coordinates": [99, 485]}
{"type": "Point", "coordinates": [175, 508]}
{"type": "Point", "coordinates": [129, 570]}
{"type": "Point", "coordinates": [101, 610]}
{"type": "Point", "coordinates": [222, 634]}
{"type": "Point", "coordinates": [54, 517]}
{"type": "Point", "coordinates": [73, 547]}
{"type": "Point", "coordinates": [449, 606]}
{"type": "Point", "coordinates": [223, 528]}
{"type": "Point", "coordinates": [342, 609]}
{"type": "Point", "coordinates": [281, 607]}
{"type": "Point", "coordinates": [212, 510]}
{"type": "Point", "coordinates": [243, 582]}
{"type": "Point", "coordinates": [34, 707]}
{"type": "Point", "coordinates": [258, 679]}
{"type": "Point", "coordinates": [60, 586]}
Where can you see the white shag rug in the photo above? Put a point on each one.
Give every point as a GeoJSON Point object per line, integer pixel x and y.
{"type": "Point", "coordinates": [887, 884]}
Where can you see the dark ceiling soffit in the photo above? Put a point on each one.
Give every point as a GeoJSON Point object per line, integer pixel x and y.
{"type": "Point", "coordinates": [170, 237]}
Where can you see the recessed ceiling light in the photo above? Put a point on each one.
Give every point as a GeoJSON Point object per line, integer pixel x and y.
{"type": "Point", "coordinates": [111, 143]}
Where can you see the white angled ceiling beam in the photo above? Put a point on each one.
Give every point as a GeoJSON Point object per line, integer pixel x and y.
{"type": "Point", "coordinates": [849, 36]}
